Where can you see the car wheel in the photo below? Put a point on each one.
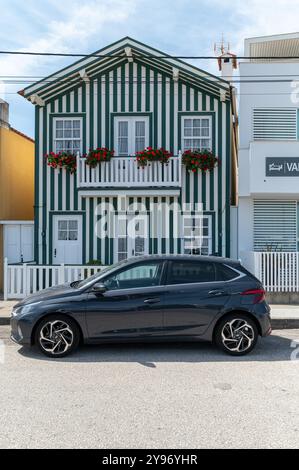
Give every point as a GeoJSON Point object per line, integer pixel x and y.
{"type": "Point", "coordinates": [236, 334]}
{"type": "Point", "coordinates": [57, 336]}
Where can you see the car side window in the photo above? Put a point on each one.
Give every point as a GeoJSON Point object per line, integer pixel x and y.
{"type": "Point", "coordinates": [224, 273]}
{"type": "Point", "coordinates": [139, 275]}
{"type": "Point", "coordinates": [185, 272]}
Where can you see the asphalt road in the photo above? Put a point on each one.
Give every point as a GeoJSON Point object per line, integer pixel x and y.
{"type": "Point", "coordinates": [153, 396]}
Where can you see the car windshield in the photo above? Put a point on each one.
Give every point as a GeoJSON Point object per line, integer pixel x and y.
{"type": "Point", "coordinates": [98, 275]}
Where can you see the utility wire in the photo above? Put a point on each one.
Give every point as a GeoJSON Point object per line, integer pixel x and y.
{"type": "Point", "coordinates": [102, 56]}
{"type": "Point", "coordinates": [123, 82]}
{"type": "Point", "coordinates": [38, 77]}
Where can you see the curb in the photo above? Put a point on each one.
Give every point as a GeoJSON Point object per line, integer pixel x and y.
{"type": "Point", "coordinates": [277, 323]}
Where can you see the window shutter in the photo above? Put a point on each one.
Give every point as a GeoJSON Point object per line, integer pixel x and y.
{"type": "Point", "coordinates": [275, 124]}
{"type": "Point", "coordinates": [275, 225]}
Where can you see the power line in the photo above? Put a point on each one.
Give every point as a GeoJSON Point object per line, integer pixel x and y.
{"type": "Point", "coordinates": [38, 77]}
{"type": "Point", "coordinates": [238, 94]}
{"type": "Point", "coordinates": [103, 56]}
{"type": "Point", "coordinates": [130, 82]}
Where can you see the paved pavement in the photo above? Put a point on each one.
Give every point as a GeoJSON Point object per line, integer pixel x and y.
{"type": "Point", "coordinates": [131, 396]}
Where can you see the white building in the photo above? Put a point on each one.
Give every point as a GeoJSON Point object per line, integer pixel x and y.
{"type": "Point", "coordinates": [268, 220]}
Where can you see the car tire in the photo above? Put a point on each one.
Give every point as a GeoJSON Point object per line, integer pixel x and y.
{"type": "Point", "coordinates": [236, 334]}
{"type": "Point", "coordinates": [57, 336]}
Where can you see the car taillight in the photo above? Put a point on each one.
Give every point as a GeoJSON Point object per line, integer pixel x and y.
{"type": "Point", "coordinates": [258, 293]}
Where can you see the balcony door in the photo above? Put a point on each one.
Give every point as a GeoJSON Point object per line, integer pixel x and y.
{"type": "Point", "coordinates": [131, 134]}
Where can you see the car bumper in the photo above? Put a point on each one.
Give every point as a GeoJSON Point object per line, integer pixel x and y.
{"type": "Point", "coordinates": [20, 330]}
{"type": "Point", "coordinates": [265, 324]}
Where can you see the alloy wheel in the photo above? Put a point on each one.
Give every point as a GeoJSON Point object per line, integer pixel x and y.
{"type": "Point", "coordinates": [56, 337]}
{"type": "Point", "coordinates": [237, 335]}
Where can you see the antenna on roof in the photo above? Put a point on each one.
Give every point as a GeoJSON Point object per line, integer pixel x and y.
{"type": "Point", "coordinates": [227, 61]}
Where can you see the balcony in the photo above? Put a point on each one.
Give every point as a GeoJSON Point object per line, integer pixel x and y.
{"type": "Point", "coordinates": [123, 172]}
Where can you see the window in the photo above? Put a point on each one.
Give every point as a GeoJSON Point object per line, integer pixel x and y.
{"type": "Point", "coordinates": [197, 133]}
{"type": "Point", "coordinates": [131, 134]}
{"type": "Point", "coordinates": [140, 275]}
{"type": "Point", "coordinates": [68, 230]}
{"type": "Point", "coordinates": [67, 135]}
{"type": "Point", "coordinates": [186, 272]}
{"type": "Point", "coordinates": [197, 235]}
{"type": "Point", "coordinates": [224, 273]}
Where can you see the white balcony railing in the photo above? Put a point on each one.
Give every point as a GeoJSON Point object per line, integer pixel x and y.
{"type": "Point", "coordinates": [278, 271]}
{"type": "Point", "coordinates": [124, 172]}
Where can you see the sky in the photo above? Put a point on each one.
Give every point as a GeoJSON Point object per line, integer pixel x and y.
{"type": "Point", "coordinates": [178, 27]}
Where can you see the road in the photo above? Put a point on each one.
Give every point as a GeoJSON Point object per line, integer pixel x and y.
{"type": "Point", "coordinates": [152, 396]}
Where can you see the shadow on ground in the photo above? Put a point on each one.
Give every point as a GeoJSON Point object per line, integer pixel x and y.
{"type": "Point", "coordinates": [273, 348]}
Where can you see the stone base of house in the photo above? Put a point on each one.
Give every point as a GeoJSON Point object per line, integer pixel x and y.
{"type": "Point", "coordinates": [283, 298]}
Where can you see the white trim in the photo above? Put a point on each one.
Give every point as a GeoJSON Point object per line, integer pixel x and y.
{"type": "Point", "coordinates": [127, 42]}
{"type": "Point", "coordinates": [130, 192]}
{"type": "Point", "coordinates": [16, 222]}
{"type": "Point", "coordinates": [192, 138]}
{"type": "Point", "coordinates": [131, 120]}
{"type": "Point", "coordinates": [71, 118]}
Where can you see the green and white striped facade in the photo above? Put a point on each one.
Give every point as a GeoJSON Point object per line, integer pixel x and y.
{"type": "Point", "coordinates": [132, 81]}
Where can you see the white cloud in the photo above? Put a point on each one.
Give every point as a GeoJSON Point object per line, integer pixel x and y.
{"type": "Point", "coordinates": [258, 18]}
{"type": "Point", "coordinates": [81, 23]}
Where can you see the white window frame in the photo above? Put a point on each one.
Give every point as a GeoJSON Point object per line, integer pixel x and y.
{"type": "Point", "coordinates": [55, 139]}
{"type": "Point", "coordinates": [192, 138]}
{"type": "Point", "coordinates": [131, 133]}
{"type": "Point", "coordinates": [188, 240]}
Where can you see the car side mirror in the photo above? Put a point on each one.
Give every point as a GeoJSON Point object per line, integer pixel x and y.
{"type": "Point", "coordinates": [99, 289]}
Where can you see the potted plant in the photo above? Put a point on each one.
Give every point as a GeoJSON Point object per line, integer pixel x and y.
{"type": "Point", "coordinates": [148, 155]}
{"type": "Point", "coordinates": [98, 155]}
{"type": "Point", "coordinates": [203, 160]}
{"type": "Point", "coordinates": [65, 160]}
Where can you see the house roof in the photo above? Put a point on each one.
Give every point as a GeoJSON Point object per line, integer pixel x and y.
{"type": "Point", "coordinates": [274, 46]}
{"type": "Point", "coordinates": [21, 134]}
{"type": "Point", "coordinates": [115, 54]}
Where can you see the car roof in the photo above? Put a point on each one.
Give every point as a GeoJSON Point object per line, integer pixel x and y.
{"type": "Point", "coordinates": [210, 259]}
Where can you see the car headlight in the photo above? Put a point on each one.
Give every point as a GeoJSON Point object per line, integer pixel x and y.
{"type": "Point", "coordinates": [24, 309]}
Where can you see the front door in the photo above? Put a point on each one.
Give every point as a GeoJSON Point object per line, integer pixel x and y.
{"type": "Point", "coordinates": [131, 307]}
{"type": "Point", "coordinates": [132, 237]}
{"type": "Point", "coordinates": [67, 239]}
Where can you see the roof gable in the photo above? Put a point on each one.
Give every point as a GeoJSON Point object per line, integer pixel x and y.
{"type": "Point", "coordinates": [115, 54]}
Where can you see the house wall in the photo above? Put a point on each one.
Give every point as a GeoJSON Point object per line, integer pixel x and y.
{"type": "Point", "coordinates": [254, 184]}
{"type": "Point", "coordinates": [130, 88]}
{"type": "Point", "coordinates": [16, 176]}
{"type": "Point", "coordinates": [16, 182]}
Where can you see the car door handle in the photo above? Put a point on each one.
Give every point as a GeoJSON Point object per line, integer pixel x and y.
{"type": "Point", "coordinates": [217, 293]}
{"type": "Point", "coordinates": [152, 300]}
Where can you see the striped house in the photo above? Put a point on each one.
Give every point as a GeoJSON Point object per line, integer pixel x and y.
{"type": "Point", "coordinates": [126, 97]}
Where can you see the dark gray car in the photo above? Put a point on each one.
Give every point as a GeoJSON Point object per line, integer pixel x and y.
{"type": "Point", "coordinates": [153, 298]}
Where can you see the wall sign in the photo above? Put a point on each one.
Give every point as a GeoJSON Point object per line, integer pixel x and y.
{"type": "Point", "coordinates": [282, 166]}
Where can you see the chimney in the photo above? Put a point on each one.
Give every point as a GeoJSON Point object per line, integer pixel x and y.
{"type": "Point", "coordinates": [227, 61]}
{"type": "Point", "coordinates": [4, 114]}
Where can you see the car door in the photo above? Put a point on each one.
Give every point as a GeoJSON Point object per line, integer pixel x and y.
{"type": "Point", "coordinates": [192, 298]}
{"type": "Point", "coordinates": [132, 305]}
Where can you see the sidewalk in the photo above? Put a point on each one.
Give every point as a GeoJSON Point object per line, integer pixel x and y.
{"type": "Point", "coordinates": [283, 316]}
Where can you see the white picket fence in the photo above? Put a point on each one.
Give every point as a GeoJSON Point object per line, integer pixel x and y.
{"type": "Point", "coordinates": [278, 271]}
{"type": "Point", "coordinates": [21, 280]}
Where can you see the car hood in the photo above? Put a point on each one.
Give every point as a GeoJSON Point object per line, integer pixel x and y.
{"type": "Point", "coordinates": [47, 294]}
